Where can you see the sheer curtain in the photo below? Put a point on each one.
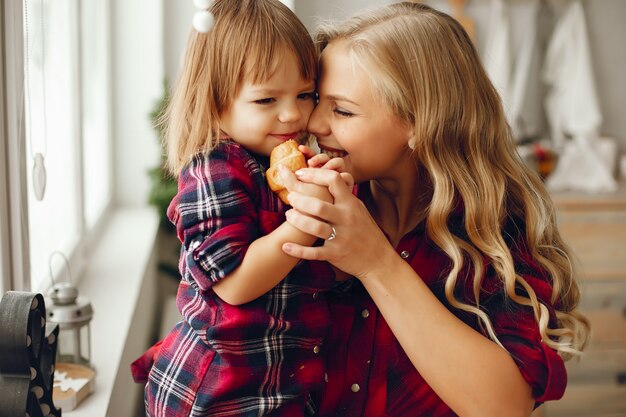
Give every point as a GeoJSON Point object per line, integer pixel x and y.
{"type": "Point", "coordinates": [67, 140]}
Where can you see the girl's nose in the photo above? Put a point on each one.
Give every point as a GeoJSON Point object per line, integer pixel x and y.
{"type": "Point", "coordinates": [290, 113]}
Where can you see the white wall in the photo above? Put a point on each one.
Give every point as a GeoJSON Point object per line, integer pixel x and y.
{"type": "Point", "coordinates": [310, 12]}
{"type": "Point", "coordinates": [176, 27]}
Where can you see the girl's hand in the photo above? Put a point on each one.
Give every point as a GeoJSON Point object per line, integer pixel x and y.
{"type": "Point", "coordinates": [359, 244]}
{"type": "Point", "coordinates": [321, 160]}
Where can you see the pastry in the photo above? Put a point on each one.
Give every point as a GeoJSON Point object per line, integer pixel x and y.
{"type": "Point", "coordinates": [287, 154]}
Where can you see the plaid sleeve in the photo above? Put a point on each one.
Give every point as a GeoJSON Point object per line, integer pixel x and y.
{"type": "Point", "coordinates": [540, 365]}
{"type": "Point", "coordinates": [214, 215]}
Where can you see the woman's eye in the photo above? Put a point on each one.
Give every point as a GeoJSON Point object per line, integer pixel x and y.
{"type": "Point", "coordinates": [343, 113]}
{"type": "Point", "coordinates": [268, 100]}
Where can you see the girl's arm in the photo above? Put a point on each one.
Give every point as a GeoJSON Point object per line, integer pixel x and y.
{"type": "Point", "coordinates": [470, 373]}
{"type": "Point", "coordinates": [265, 264]}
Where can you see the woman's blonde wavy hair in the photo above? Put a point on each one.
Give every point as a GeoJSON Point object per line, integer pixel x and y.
{"type": "Point", "coordinates": [424, 66]}
{"type": "Point", "coordinates": [246, 43]}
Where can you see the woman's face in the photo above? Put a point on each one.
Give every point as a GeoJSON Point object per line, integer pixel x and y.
{"type": "Point", "coordinates": [351, 123]}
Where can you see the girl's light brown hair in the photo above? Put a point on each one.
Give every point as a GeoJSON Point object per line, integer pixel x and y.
{"type": "Point", "coordinates": [247, 42]}
{"type": "Point", "coordinates": [423, 65]}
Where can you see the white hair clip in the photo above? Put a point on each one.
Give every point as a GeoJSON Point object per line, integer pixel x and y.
{"type": "Point", "coordinates": [203, 20]}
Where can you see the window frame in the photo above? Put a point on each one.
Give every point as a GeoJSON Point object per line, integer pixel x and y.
{"type": "Point", "coordinates": [13, 203]}
{"type": "Point", "coordinates": [15, 269]}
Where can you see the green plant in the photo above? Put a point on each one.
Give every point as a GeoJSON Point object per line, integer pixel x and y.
{"type": "Point", "coordinates": [163, 185]}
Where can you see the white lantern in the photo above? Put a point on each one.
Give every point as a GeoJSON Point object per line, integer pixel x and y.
{"type": "Point", "coordinates": [73, 314]}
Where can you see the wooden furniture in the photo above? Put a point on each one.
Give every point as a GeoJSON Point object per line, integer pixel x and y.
{"type": "Point", "coordinates": [595, 228]}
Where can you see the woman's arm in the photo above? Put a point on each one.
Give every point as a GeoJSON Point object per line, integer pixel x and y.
{"type": "Point", "coordinates": [472, 374]}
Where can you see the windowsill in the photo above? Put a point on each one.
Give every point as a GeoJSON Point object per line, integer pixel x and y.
{"type": "Point", "coordinates": [119, 275]}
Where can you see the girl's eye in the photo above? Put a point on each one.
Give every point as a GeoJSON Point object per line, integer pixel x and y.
{"type": "Point", "coordinates": [308, 96]}
{"type": "Point", "coordinates": [343, 113]}
{"type": "Point", "coordinates": [268, 100]}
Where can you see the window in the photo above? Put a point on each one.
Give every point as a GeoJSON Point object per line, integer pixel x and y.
{"type": "Point", "coordinates": [66, 107]}
{"type": "Point", "coordinates": [97, 152]}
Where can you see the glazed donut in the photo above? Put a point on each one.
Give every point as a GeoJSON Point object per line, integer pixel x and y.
{"type": "Point", "coordinates": [287, 154]}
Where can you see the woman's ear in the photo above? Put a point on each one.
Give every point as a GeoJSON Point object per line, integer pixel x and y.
{"type": "Point", "coordinates": [411, 142]}
{"type": "Point", "coordinates": [411, 138]}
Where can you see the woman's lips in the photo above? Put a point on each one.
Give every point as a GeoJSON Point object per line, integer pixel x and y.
{"type": "Point", "coordinates": [332, 152]}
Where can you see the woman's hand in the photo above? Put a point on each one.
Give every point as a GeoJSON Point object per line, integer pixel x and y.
{"type": "Point", "coordinates": [359, 244]}
{"type": "Point", "coordinates": [316, 161]}
{"type": "Point", "coordinates": [310, 190]}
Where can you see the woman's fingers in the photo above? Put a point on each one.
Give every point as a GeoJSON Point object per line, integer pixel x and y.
{"type": "Point", "coordinates": [318, 253]}
{"type": "Point", "coordinates": [313, 206]}
{"type": "Point", "coordinates": [305, 252]}
{"type": "Point", "coordinates": [337, 183]}
{"type": "Point", "coordinates": [310, 225]}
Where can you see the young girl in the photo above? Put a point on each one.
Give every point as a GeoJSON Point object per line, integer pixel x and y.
{"type": "Point", "coordinates": [464, 301]}
{"type": "Point", "coordinates": [251, 340]}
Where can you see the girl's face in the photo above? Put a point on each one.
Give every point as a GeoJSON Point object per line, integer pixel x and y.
{"type": "Point", "coordinates": [350, 122]}
{"type": "Point", "coordinates": [264, 115]}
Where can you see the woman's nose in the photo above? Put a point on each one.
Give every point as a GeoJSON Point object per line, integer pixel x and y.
{"type": "Point", "coordinates": [318, 125]}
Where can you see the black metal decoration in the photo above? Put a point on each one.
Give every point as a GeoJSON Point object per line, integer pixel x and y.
{"type": "Point", "coordinates": [27, 356]}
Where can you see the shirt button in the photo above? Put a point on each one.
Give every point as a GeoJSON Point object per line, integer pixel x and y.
{"type": "Point", "coordinates": [404, 254]}
{"type": "Point", "coordinates": [355, 388]}
{"type": "Point", "coordinates": [316, 295]}
{"type": "Point", "coordinates": [316, 349]}
{"type": "Point", "coordinates": [365, 313]}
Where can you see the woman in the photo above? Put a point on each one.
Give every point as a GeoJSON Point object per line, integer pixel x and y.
{"type": "Point", "coordinates": [463, 298]}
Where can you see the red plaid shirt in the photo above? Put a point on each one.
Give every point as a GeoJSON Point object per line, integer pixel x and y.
{"type": "Point", "coordinates": [261, 358]}
{"type": "Point", "coordinates": [368, 373]}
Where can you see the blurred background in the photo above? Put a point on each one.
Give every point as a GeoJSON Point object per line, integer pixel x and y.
{"type": "Point", "coordinates": [82, 82]}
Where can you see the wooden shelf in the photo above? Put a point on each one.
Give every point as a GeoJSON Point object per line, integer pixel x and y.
{"type": "Point", "coordinates": [594, 226]}
{"type": "Point", "coordinates": [580, 201]}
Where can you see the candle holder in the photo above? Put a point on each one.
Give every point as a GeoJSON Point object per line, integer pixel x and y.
{"type": "Point", "coordinates": [73, 314]}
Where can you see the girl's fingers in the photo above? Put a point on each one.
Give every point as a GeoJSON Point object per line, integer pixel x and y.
{"type": "Point", "coordinates": [336, 164]}
{"type": "Point", "coordinates": [309, 225]}
{"type": "Point", "coordinates": [348, 179]}
{"type": "Point", "coordinates": [290, 181]}
{"type": "Point", "coordinates": [318, 161]}
{"type": "Point", "coordinates": [308, 152]}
